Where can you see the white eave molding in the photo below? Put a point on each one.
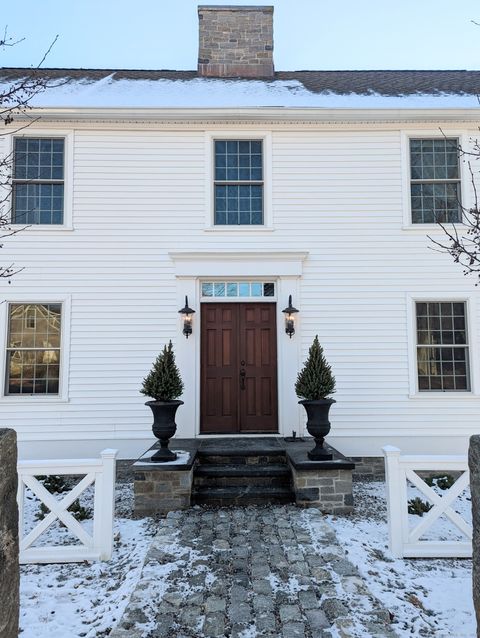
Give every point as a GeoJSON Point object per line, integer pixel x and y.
{"type": "Point", "coordinates": [261, 115]}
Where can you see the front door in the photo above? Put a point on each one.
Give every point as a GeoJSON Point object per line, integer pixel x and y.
{"type": "Point", "coordinates": [238, 368]}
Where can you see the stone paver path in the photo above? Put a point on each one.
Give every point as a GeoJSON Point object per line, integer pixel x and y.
{"type": "Point", "coordinates": [247, 572]}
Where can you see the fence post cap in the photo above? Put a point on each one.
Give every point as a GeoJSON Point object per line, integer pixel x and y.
{"type": "Point", "coordinates": [109, 453]}
{"type": "Point", "coordinates": [390, 450]}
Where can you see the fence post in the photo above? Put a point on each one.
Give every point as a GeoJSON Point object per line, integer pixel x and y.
{"type": "Point", "coordinates": [9, 571]}
{"type": "Point", "coordinates": [394, 482]}
{"type": "Point", "coordinates": [105, 504]}
{"type": "Point", "coordinates": [474, 465]}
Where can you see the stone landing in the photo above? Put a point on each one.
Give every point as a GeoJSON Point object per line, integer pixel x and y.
{"type": "Point", "coordinates": [242, 471]}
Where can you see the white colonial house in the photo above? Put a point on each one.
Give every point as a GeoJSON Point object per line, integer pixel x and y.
{"type": "Point", "coordinates": [237, 187]}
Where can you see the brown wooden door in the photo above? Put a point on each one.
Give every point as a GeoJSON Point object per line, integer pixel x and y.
{"type": "Point", "coordinates": [238, 368]}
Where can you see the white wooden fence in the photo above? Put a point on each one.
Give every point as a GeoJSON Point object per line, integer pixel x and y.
{"type": "Point", "coordinates": [405, 541]}
{"type": "Point", "coordinates": [92, 547]}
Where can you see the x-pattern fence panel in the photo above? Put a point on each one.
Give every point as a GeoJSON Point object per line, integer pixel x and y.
{"type": "Point", "coordinates": [406, 541]}
{"type": "Point", "coordinates": [96, 546]}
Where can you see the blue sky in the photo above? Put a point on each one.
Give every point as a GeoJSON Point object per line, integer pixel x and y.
{"type": "Point", "coordinates": [309, 34]}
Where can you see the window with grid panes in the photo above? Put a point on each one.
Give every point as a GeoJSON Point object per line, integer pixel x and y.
{"type": "Point", "coordinates": [442, 346]}
{"type": "Point", "coordinates": [38, 180]}
{"type": "Point", "coordinates": [233, 289]}
{"type": "Point", "coordinates": [33, 348]}
{"type": "Point", "coordinates": [238, 187]}
{"type": "Point", "coordinates": [435, 180]}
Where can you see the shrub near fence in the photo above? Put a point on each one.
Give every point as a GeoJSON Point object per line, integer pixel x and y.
{"type": "Point", "coordinates": [405, 542]}
{"type": "Point", "coordinates": [101, 473]}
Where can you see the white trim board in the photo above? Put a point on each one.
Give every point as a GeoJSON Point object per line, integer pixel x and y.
{"type": "Point", "coordinates": [238, 263]}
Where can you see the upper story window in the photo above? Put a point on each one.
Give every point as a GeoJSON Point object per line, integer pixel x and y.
{"type": "Point", "coordinates": [38, 180]}
{"type": "Point", "coordinates": [435, 180]}
{"type": "Point", "coordinates": [33, 348]}
{"type": "Point", "coordinates": [238, 183]}
{"type": "Point", "coordinates": [442, 346]}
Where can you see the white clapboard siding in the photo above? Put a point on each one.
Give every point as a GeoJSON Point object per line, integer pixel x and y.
{"type": "Point", "coordinates": [337, 194]}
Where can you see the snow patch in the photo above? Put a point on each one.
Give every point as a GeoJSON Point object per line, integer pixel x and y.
{"type": "Point", "coordinates": [427, 597]}
{"type": "Point", "coordinates": [224, 93]}
{"type": "Point", "coordinates": [182, 459]}
{"type": "Point", "coordinates": [249, 632]}
{"type": "Point", "coordinates": [70, 600]}
{"type": "Point", "coordinates": [290, 587]}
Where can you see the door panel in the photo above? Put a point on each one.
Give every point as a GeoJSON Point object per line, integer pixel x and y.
{"type": "Point", "coordinates": [219, 368]}
{"type": "Point", "coordinates": [238, 368]}
{"type": "Point", "coordinates": [258, 341]}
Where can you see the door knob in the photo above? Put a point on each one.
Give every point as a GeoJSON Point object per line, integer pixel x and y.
{"type": "Point", "coordinates": [242, 379]}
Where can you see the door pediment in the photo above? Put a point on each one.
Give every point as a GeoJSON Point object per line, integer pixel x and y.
{"type": "Point", "coordinates": [231, 263]}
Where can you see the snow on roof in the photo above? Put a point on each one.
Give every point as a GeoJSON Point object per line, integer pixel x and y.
{"type": "Point", "coordinates": [304, 89]}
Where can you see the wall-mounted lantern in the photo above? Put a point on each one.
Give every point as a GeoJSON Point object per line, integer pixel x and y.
{"type": "Point", "coordinates": [187, 313]}
{"type": "Point", "coordinates": [290, 312]}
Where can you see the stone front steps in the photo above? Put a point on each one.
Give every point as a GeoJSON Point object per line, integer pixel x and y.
{"type": "Point", "coordinates": [224, 477]}
{"type": "Point", "coordinates": [240, 472]}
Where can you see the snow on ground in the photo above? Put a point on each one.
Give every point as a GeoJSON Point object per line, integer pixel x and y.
{"type": "Point", "coordinates": [427, 597]}
{"type": "Point", "coordinates": [84, 599]}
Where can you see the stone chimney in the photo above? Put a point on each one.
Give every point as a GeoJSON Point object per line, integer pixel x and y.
{"type": "Point", "coordinates": [235, 41]}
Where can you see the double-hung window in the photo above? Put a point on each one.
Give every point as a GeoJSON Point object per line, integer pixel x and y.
{"type": "Point", "coordinates": [435, 180]}
{"type": "Point", "coordinates": [33, 349]}
{"type": "Point", "coordinates": [38, 180]}
{"type": "Point", "coordinates": [238, 183]}
{"type": "Point", "coordinates": [442, 346]}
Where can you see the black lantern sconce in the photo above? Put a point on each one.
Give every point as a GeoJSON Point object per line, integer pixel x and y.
{"type": "Point", "coordinates": [290, 311]}
{"type": "Point", "coordinates": [187, 313]}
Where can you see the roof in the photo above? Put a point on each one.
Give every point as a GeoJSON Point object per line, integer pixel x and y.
{"type": "Point", "coordinates": [165, 88]}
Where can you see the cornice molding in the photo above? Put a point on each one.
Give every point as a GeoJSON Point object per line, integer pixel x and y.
{"type": "Point", "coordinates": [262, 117]}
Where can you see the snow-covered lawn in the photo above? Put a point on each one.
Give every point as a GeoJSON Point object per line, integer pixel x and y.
{"type": "Point", "coordinates": [84, 599]}
{"type": "Point", "coordinates": [426, 597]}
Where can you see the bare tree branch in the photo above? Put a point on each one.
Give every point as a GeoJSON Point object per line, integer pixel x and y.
{"type": "Point", "coordinates": [462, 239]}
{"type": "Point", "coordinates": [9, 42]}
{"type": "Point", "coordinates": [16, 95]}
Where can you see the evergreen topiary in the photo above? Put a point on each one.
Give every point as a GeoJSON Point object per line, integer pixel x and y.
{"type": "Point", "coordinates": [163, 382]}
{"type": "Point", "coordinates": [315, 381]}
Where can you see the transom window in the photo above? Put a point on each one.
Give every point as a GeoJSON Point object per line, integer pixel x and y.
{"type": "Point", "coordinates": [38, 180]}
{"type": "Point", "coordinates": [33, 348]}
{"type": "Point", "coordinates": [442, 346]}
{"type": "Point", "coordinates": [238, 289]}
{"type": "Point", "coordinates": [238, 182]}
{"type": "Point", "coordinates": [435, 180]}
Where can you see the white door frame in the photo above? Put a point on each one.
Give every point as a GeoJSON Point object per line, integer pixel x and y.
{"type": "Point", "coordinates": [285, 268]}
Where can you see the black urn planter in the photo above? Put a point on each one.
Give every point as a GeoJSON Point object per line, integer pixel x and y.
{"type": "Point", "coordinates": [318, 426]}
{"type": "Point", "coordinates": [164, 427]}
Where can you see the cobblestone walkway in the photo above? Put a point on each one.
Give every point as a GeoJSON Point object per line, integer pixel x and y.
{"type": "Point", "coordinates": [247, 572]}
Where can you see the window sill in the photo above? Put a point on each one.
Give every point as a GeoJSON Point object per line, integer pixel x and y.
{"type": "Point", "coordinates": [422, 396]}
{"type": "Point", "coordinates": [35, 228]}
{"type": "Point", "coordinates": [239, 229]}
{"type": "Point", "coordinates": [429, 227]}
{"type": "Point", "coordinates": [30, 398]}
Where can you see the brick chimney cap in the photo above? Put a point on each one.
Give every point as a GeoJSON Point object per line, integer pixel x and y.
{"type": "Point", "coordinates": [234, 7]}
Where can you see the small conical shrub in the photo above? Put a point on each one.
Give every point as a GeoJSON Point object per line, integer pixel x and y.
{"type": "Point", "coordinates": [163, 382]}
{"type": "Point", "coordinates": [315, 381]}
